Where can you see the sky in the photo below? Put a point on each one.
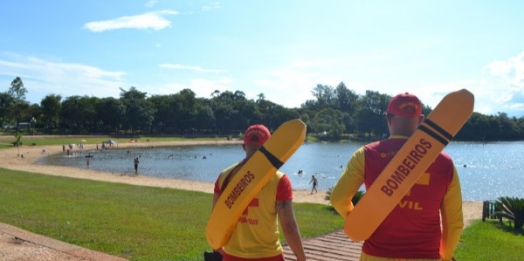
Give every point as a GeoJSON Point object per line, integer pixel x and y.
{"type": "Point", "coordinates": [281, 49]}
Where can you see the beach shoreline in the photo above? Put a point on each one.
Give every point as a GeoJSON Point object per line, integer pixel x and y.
{"type": "Point", "coordinates": [10, 159]}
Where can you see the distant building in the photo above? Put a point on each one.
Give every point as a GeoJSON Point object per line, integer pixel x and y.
{"type": "Point", "coordinates": [23, 125]}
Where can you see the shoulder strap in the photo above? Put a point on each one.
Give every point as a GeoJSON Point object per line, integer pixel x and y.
{"type": "Point", "coordinates": [230, 174]}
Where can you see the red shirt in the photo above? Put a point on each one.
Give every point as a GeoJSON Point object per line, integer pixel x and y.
{"type": "Point", "coordinates": [412, 229]}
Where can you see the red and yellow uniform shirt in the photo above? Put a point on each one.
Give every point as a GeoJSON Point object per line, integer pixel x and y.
{"type": "Point", "coordinates": [256, 233]}
{"type": "Point", "coordinates": [413, 228]}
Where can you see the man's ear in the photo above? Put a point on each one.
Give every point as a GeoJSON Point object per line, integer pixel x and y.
{"type": "Point", "coordinates": [421, 118]}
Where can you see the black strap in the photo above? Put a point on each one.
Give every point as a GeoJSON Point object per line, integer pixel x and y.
{"type": "Point", "coordinates": [272, 158]}
{"type": "Point", "coordinates": [230, 174]}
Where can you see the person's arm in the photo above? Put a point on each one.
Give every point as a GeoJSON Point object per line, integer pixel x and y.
{"type": "Point", "coordinates": [216, 196]}
{"type": "Point", "coordinates": [452, 218]}
{"type": "Point", "coordinates": [348, 184]}
{"type": "Point", "coordinates": [290, 228]}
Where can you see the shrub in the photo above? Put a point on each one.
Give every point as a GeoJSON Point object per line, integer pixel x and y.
{"type": "Point", "coordinates": [511, 208]}
{"type": "Point", "coordinates": [355, 198]}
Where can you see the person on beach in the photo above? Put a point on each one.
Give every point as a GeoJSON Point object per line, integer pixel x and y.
{"type": "Point", "coordinates": [256, 233]}
{"type": "Point", "coordinates": [136, 161]}
{"type": "Point", "coordinates": [315, 183]}
{"type": "Point", "coordinates": [412, 230]}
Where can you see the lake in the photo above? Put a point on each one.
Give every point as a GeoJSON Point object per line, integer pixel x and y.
{"type": "Point", "coordinates": [487, 171]}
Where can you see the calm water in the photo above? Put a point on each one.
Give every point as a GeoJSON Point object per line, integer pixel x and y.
{"type": "Point", "coordinates": [487, 171]}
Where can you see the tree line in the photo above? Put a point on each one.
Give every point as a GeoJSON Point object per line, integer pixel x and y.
{"type": "Point", "coordinates": [334, 113]}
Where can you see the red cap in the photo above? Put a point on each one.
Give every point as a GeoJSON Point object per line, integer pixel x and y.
{"type": "Point", "coordinates": [256, 135]}
{"type": "Point", "coordinates": [405, 105]}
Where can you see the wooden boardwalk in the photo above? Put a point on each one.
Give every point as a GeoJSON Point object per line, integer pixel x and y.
{"type": "Point", "coordinates": [330, 247]}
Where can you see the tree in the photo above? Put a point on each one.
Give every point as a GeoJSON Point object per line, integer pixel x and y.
{"type": "Point", "coordinates": [273, 115]}
{"type": "Point", "coordinates": [132, 94]}
{"type": "Point", "coordinates": [347, 99]}
{"type": "Point", "coordinates": [245, 114]}
{"type": "Point", "coordinates": [215, 93]}
{"type": "Point", "coordinates": [227, 96]}
{"type": "Point", "coordinates": [330, 121]}
{"type": "Point", "coordinates": [375, 102]}
{"type": "Point", "coordinates": [261, 96]}
{"type": "Point", "coordinates": [325, 95]}
{"type": "Point", "coordinates": [20, 111]}
{"type": "Point", "coordinates": [110, 114]}
{"type": "Point", "coordinates": [186, 108]}
{"type": "Point", "coordinates": [78, 112]}
{"type": "Point", "coordinates": [51, 108]}
{"type": "Point", "coordinates": [239, 95]}
{"type": "Point", "coordinates": [205, 117]}
{"type": "Point", "coordinates": [17, 109]}
{"type": "Point", "coordinates": [164, 117]}
{"type": "Point", "coordinates": [139, 115]}
{"type": "Point", "coordinates": [223, 112]}
{"type": "Point", "coordinates": [139, 112]}
{"type": "Point", "coordinates": [6, 102]}
{"type": "Point", "coordinates": [17, 89]}
{"type": "Point", "coordinates": [369, 118]}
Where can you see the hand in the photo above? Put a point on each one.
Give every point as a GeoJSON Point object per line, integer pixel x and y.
{"type": "Point", "coordinates": [220, 250]}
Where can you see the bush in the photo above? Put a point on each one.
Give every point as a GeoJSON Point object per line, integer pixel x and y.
{"type": "Point", "coordinates": [511, 208]}
{"type": "Point", "coordinates": [355, 198]}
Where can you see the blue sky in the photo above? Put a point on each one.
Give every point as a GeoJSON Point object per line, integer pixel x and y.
{"type": "Point", "coordinates": [282, 49]}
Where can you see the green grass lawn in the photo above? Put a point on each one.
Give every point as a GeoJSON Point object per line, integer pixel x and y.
{"type": "Point", "coordinates": [134, 222]}
{"type": "Point", "coordinates": [145, 223]}
{"type": "Point", "coordinates": [483, 241]}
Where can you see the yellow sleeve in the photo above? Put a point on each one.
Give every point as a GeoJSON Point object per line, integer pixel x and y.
{"type": "Point", "coordinates": [348, 184]}
{"type": "Point", "coordinates": [452, 218]}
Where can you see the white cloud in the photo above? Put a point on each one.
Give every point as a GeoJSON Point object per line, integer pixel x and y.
{"type": "Point", "coordinates": [43, 77]}
{"type": "Point", "coordinates": [155, 20]}
{"type": "Point", "coordinates": [151, 3]}
{"type": "Point", "coordinates": [510, 71]}
{"type": "Point", "coordinates": [503, 83]}
{"type": "Point", "coordinates": [431, 95]}
{"type": "Point", "coordinates": [289, 88]}
{"type": "Point", "coordinates": [188, 67]}
{"type": "Point", "coordinates": [215, 5]}
{"type": "Point", "coordinates": [303, 64]}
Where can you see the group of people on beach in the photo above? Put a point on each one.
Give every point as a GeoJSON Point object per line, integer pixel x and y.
{"type": "Point", "coordinates": [431, 231]}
